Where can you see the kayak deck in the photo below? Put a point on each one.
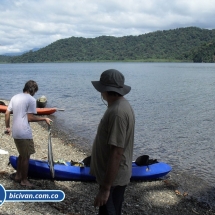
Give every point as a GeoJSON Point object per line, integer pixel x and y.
{"type": "Point", "coordinates": [68, 172]}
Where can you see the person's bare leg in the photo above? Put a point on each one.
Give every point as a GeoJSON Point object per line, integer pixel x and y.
{"type": "Point", "coordinates": [24, 172]}
{"type": "Point", "coordinates": [19, 167]}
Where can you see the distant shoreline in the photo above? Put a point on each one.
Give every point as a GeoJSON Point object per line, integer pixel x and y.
{"type": "Point", "coordinates": [111, 61]}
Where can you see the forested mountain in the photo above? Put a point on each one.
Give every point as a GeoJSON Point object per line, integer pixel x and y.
{"type": "Point", "coordinates": [4, 59]}
{"type": "Point", "coordinates": [204, 53]}
{"type": "Point", "coordinates": [169, 45]}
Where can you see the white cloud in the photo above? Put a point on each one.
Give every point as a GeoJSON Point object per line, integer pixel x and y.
{"type": "Point", "coordinates": [26, 24]}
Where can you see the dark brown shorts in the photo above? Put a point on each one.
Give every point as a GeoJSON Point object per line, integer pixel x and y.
{"type": "Point", "coordinates": [25, 147]}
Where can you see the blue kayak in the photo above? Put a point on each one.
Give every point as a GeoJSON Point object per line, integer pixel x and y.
{"type": "Point", "coordinates": [68, 172]}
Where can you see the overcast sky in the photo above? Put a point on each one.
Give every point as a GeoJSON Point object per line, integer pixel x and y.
{"type": "Point", "coordinates": [28, 24]}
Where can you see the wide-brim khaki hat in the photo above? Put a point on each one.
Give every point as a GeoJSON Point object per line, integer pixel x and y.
{"type": "Point", "coordinates": [112, 80]}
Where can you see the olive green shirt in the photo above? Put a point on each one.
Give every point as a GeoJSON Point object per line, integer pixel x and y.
{"type": "Point", "coordinates": [116, 128]}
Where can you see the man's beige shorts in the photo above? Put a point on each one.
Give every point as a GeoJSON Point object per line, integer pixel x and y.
{"type": "Point", "coordinates": [25, 147]}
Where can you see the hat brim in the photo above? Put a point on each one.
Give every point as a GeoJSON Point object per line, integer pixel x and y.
{"type": "Point", "coordinates": [103, 88]}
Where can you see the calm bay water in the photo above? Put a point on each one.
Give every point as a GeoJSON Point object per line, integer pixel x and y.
{"type": "Point", "coordinates": [174, 105]}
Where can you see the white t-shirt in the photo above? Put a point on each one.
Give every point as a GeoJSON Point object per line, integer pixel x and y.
{"type": "Point", "coordinates": [22, 104]}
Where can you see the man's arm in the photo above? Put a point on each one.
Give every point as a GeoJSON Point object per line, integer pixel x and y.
{"type": "Point", "coordinates": [7, 121]}
{"type": "Point", "coordinates": [112, 170]}
{"type": "Point", "coordinates": [33, 118]}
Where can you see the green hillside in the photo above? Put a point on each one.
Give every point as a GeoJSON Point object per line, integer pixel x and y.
{"type": "Point", "coordinates": [204, 53]}
{"type": "Point", "coordinates": [169, 45]}
{"type": "Point", "coordinates": [4, 59]}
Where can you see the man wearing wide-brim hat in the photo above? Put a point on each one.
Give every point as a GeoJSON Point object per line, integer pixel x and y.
{"type": "Point", "coordinates": [111, 159]}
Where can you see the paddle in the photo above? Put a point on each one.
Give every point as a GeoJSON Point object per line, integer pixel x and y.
{"type": "Point", "coordinates": [50, 155]}
{"type": "Point", "coordinates": [60, 109]}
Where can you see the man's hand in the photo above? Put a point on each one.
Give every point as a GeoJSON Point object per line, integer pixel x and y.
{"type": "Point", "coordinates": [7, 131]}
{"type": "Point", "coordinates": [48, 121]}
{"type": "Point", "coordinates": [101, 197]}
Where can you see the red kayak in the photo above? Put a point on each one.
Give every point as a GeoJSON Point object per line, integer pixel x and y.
{"type": "Point", "coordinates": [40, 111]}
{"type": "Point", "coordinates": [45, 111]}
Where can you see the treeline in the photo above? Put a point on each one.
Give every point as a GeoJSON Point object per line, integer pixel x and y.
{"type": "Point", "coordinates": [182, 44]}
{"type": "Point", "coordinates": [5, 59]}
{"type": "Point", "coordinates": [204, 53]}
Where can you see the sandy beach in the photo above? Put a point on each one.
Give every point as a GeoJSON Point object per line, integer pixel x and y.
{"type": "Point", "coordinates": [141, 198]}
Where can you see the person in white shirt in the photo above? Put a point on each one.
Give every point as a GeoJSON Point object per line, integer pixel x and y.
{"type": "Point", "coordinates": [23, 107]}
